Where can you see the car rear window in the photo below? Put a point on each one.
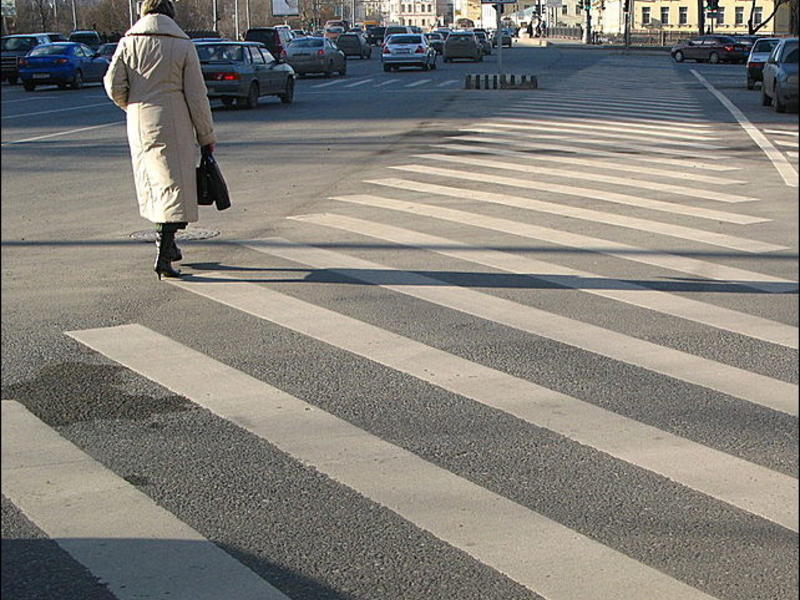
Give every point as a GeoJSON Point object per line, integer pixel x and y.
{"type": "Point", "coordinates": [406, 39]}
{"type": "Point", "coordinates": [764, 45]}
{"type": "Point", "coordinates": [433, 36]}
{"type": "Point", "coordinates": [790, 53]}
{"type": "Point", "coordinates": [19, 43]}
{"type": "Point", "coordinates": [335, 29]}
{"type": "Point", "coordinates": [306, 43]}
{"type": "Point", "coordinates": [221, 53]}
{"type": "Point", "coordinates": [55, 49]}
{"type": "Point", "coordinates": [460, 36]}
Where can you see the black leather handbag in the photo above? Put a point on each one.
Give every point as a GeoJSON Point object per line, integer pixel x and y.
{"type": "Point", "coordinates": [211, 186]}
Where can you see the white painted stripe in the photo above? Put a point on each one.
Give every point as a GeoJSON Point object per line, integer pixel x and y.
{"type": "Point", "coordinates": [62, 133]}
{"type": "Point", "coordinates": [685, 113]}
{"type": "Point", "coordinates": [357, 83]}
{"type": "Point", "coordinates": [386, 82]}
{"type": "Point", "coordinates": [786, 170]}
{"type": "Point", "coordinates": [623, 128]}
{"type": "Point", "coordinates": [623, 157]}
{"type": "Point", "coordinates": [121, 535]}
{"type": "Point", "coordinates": [663, 102]}
{"type": "Point", "coordinates": [28, 99]}
{"type": "Point", "coordinates": [792, 154]}
{"type": "Point", "coordinates": [58, 110]}
{"type": "Point", "coordinates": [574, 212]}
{"type": "Point", "coordinates": [484, 525]}
{"type": "Point", "coordinates": [613, 113]}
{"type": "Point", "coordinates": [416, 83]}
{"type": "Point", "coordinates": [738, 383]}
{"type": "Point", "coordinates": [662, 126]}
{"type": "Point", "coordinates": [329, 83]}
{"type": "Point", "coordinates": [782, 131]}
{"type": "Point", "coordinates": [591, 283]}
{"type": "Point", "coordinates": [786, 143]}
{"type": "Point", "coordinates": [448, 82]}
{"type": "Point", "coordinates": [511, 137]}
{"type": "Point", "coordinates": [672, 262]}
{"type": "Point", "coordinates": [589, 136]}
{"type": "Point", "coordinates": [613, 196]}
{"type": "Point", "coordinates": [626, 167]}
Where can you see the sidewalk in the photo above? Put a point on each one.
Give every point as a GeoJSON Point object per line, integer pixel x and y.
{"type": "Point", "coordinates": [571, 44]}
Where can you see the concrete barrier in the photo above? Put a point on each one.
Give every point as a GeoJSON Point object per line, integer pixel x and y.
{"type": "Point", "coordinates": [500, 81]}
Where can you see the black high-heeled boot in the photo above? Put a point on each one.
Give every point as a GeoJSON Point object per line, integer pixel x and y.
{"type": "Point", "coordinates": [175, 254]}
{"type": "Point", "coordinates": [164, 243]}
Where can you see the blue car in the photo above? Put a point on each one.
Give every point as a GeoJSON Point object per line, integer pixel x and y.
{"type": "Point", "coordinates": [62, 64]}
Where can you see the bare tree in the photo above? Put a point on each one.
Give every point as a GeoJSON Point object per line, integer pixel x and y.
{"type": "Point", "coordinates": [752, 27]}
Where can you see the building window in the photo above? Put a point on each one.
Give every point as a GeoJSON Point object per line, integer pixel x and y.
{"type": "Point", "coordinates": [721, 15]}
{"type": "Point", "coordinates": [665, 15]}
{"type": "Point", "coordinates": [578, 8]}
{"type": "Point", "coordinates": [645, 15]}
{"type": "Point", "coordinates": [738, 15]}
{"type": "Point", "coordinates": [564, 9]}
{"type": "Point", "coordinates": [758, 15]}
{"type": "Point", "coordinates": [683, 15]}
{"type": "Point", "coordinates": [423, 22]}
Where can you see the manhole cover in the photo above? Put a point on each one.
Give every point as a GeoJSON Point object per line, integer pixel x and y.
{"type": "Point", "coordinates": [149, 235]}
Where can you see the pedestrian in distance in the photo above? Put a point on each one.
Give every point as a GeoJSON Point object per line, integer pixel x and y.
{"type": "Point", "coordinates": [155, 77]}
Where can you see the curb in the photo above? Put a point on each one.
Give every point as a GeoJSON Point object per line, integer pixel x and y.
{"type": "Point", "coordinates": [502, 81]}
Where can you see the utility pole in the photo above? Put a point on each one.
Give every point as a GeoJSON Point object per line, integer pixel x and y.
{"type": "Point", "coordinates": [236, 19]}
{"type": "Point", "coordinates": [213, 15]}
{"type": "Point", "coordinates": [498, 8]}
{"type": "Point", "coordinates": [74, 17]}
{"type": "Point", "coordinates": [627, 8]}
{"type": "Point", "coordinates": [587, 30]}
{"type": "Point", "coordinates": [701, 16]}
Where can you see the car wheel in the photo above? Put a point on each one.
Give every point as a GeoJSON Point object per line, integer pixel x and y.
{"type": "Point", "coordinates": [776, 100]}
{"type": "Point", "coordinates": [77, 81]}
{"type": "Point", "coordinates": [227, 100]}
{"type": "Point", "coordinates": [287, 97]}
{"type": "Point", "coordinates": [29, 86]}
{"type": "Point", "coordinates": [765, 99]}
{"type": "Point", "coordinates": [329, 70]}
{"type": "Point", "coordinates": [386, 68]}
{"type": "Point", "coordinates": [251, 101]}
{"type": "Point", "coordinates": [433, 64]}
{"type": "Point", "coordinates": [713, 58]}
{"type": "Point", "coordinates": [750, 83]}
{"type": "Point", "coordinates": [678, 56]}
{"type": "Point", "coordinates": [426, 66]}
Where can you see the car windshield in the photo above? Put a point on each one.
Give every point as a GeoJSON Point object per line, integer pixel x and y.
{"type": "Point", "coordinates": [335, 29]}
{"type": "Point", "coordinates": [51, 50]}
{"type": "Point", "coordinates": [764, 45]}
{"type": "Point", "coordinates": [433, 36]}
{"type": "Point", "coordinates": [18, 43]}
{"type": "Point", "coordinates": [305, 43]}
{"type": "Point", "coordinates": [405, 39]}
{"type": "Point", "coordinates": [790, 53]}
{"type": "Point", "coordinates": [83, 38]}
{"type": "Point", "coordinates": [221, 53]}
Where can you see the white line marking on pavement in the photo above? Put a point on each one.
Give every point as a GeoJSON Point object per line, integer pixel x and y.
{"type": "Point", "coordinates": [416, 83]}
{"type": "Point", "coordinates": [585, 214]}
{"type": "Point", "coordinates": [622, 128]}
{"type": "Point", "coordinates": [683, 113]}
{"type": "Point", "coordinates": [612, 113]}
{"type": "Point", "coordinates": [792, 154]}
{"type": "Point", "coordinates": [121, 535]}
{"type": "Point", "coordinates": [671, 262]}
{"type": "Point", "coordinates": [618, 101]}
{"type": "Point", "coordinates": [637, 124]}
{"type": "Point", "coordinates": [786, 143]}
{"type": "Point", "coordinates": [57, 110]}
{"type": "Point", "coordinates": [386, 82]}
{"type": "Point", "coordinates": [584, 281]}
{"type": "Point", "coordinates": [588, 162]}
{"type": "Point", "coordinates": [484, 525]}
{"type": "Point", "coordinates": [624, 158]}
{"type": "Point", "coordinates": [782, 165]}
{"type": "Point", "coordinates": [28, 99]}
{"type": "Point", "coordinates": [329, 83]}
{"type": "Point", "coordinates": [448, 82]}
{"type": "Point", "coordinates": [613, 196]}
{"type": "Point", "coordinates": [62, 133]}
{"type": "Point", "coordinates": [782, 131]}
{"type": "Point", "coordinates": [357, 83]}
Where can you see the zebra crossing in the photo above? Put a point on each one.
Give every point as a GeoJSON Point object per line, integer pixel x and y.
{"type": "Point", "coordinates": [396, 84]}
{"type": "Point", "coordinates": [786, 140]}
{"type": "Point", "coordinates": [503, 179]}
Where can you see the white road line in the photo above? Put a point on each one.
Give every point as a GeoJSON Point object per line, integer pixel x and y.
{"type": "Point", "coordinates": [62, 133]}
{"type": "Point", "coordinates": [684, 113]}
{"type": "Point", "coordinates": [751, 487]}
{"type": "Point", "coordinates": [624, 158]}
{"type": "Point", "coordinates": [786, 143]}
{"type": "Point", "coordinates": [613, 196]}
{"type": "Point", "coordinates": [585, 214]}
{"type": "Point", "coordinates": [329, 83]}
{"type": "Point", "coordinates": [58, 110]}
{"type": "Point", "coordinates": [28, 99]}
{"type": "Point", "coordinates": [513, 137]}
{"type": "Point", "coordinates": [357, 83]}
{"type": "Point", "coordinates": [584, 281]}
{"type": "Point", "coordinates": [680, 127]}
{"type": "Point", "coordinates": [621, 165]}
{"type": "Point", "coordinates": [448, 82]}
{"type": "Point", "coordinates": [416, 83]}
{"type": "Point", "coordinates": [623, 128]}
{"type": "Point", "coordinates": [792, 154]}
{"type": "Point", "coordinates": [617, 101]}
{"type": "Point", "coordinates": [786, 170]}
{"type": "Point", "coordinates": [386, 82]}
{"type": "Point", "coordinates": [615, 113]}
{"type": "Point", "coordinates": [672, 262]}
{"type": "Point", "coordinates": [782, 131]}
{"type": "Point", "coordinates": [590, 135]}
{"type": "Point", "coordinates": [569, 112]}
{"type": "Point", "coordinates": [121, 535]}
{"type": "Point", "coordinates": [484, 525]}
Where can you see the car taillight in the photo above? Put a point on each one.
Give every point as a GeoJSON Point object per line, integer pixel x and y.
{"type": "Point", "coordinates": [23, 62]}
{"type": "Point", "coordinates": [386, 50]}
{"type": "Point", "coordinates": [225, 76]}
{"type": "Point", "coordinates": [320, 52]}
{"type": "Point", "coordinates": [419, 50]}
{"type": "Point", "coordinates": [728, 48]}
{"type": "Point", "coordinates": [61, 61]}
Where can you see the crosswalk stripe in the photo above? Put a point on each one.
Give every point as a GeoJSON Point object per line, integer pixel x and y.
{"type": "Point", "coordinates": [612, 196]}
{"type": "Point", "coordinates": [792, 154]}
{"type": "Point", "coordinates": [571, 130]}
{"type": "Point", "coordinates": [672, 262]}
{"type": "Point", "coordinates": [448, 82]}
{"type": "Point", "coordinates": [357, 83]}
{"type": "Point", "coordinates": [569, 112]}
{"type": "Point", "coordinates": [329, 83]}
{"type": "Point", "coordinates": [782, 132]}
{"type": "Point", "coordinates": [684, 113]}
{"type": "Point", "coordinates": [388, 82]}
{"type": "Point", "coordinates": [618, 101]}
{"type": "Point", "coordinates": [613, 113]}
{"type": "Point", "coordinates": [121, 535]}
{"type": "Point", "coordinates": [622, 157]}
{"type": "Point", "coordinates": [785, 143]}
{"type": "Point", "coordinates": [591, 283]}
{"type": "Point", "coordinates": [693, 127]}
{"type": "Point", "coordinates": [492, 529]}
{"type": "Point", "coordinates": [589, 162]}
{"type": "Point", "coordinates": [622, 128]}
{"type": "Point", "coordinates": [416, 83]}
{"type": "Point", "coordinates": [574, 212]}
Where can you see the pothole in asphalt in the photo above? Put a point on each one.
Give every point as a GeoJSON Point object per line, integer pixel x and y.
{"type": "Point", "coordinates": [149, 235]}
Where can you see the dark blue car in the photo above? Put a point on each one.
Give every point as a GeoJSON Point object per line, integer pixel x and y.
{"type": "Point", "coordinates": [62, 64]}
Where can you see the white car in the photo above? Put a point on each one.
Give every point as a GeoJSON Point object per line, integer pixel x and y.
{"type": "Point", "coordinates": [407, 50]}
{"type": "Point", "coordinates": [759, 54]}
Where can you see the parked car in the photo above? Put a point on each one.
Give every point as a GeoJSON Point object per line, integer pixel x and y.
{"type": "Point", "coordinates": [354, 44]}
{"type": "Point", "coordinates": [504, 37]}
{"type": "Point", "coordinates": [107, 50]}
{"type": "Point", "coordinates": [462, 44]}
{"type": "Point", "coordinates": [62, 64]}
{"type": "Point", "coordinates": [333, 32]}
{"type": "Point", "coordinates": [711, 48]}
{"type": "Point", "coordinates": [275, 39]}
{"type": "Point", "coordinates": [375, 35]}
{"type": "Point", "coordinates": [436, 40]}
{"type": "Point", "coordinates": [484, 42]}
{"type": "Point", "coordinates": [759, 53]}
{"type": "Point", "coordinates": [395, 29]}
{"type": "Point", "coordinates": [242, 72]}
{"type": "Point", "coordinates": [15, 47]}
{"type": "Point", "coordinates": [779, 85]}
{"type": "Point", "coordinates": [88, 37]}
{"type": "Point", "coordinates": [315, 55]}
{"type": "Point", "coordinates": [407, 50]}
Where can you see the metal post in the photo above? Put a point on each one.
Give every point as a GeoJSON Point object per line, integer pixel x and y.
{"type": "Point", "coordinates": [499, 33]}
{"type": "Point", "coordinates": [236, 19]}
{"type": "Point", "coordinates": [74, 17]}
{"type": "Point", "coordinates": [247, 12]}
{"type": "Point", "coordinates": [214, 15]}
{"type": "Point", "coordinates": [587, 30]}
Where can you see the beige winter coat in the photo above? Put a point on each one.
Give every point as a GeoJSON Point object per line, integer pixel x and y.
{"type": "Point", "coordinates": [155, 78]}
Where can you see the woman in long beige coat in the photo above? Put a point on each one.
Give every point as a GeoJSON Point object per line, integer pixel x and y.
{"type": "Point", "coordinates": [155, 78]}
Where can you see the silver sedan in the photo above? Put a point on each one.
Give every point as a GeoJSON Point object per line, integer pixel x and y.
{"type": "Point", "coordinates": [315, 55]}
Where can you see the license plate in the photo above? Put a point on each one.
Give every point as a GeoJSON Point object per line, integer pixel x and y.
{"type": "Point", "coordinates": [41, 75]}
{"type": "Point", "coordinates": [402, 51]}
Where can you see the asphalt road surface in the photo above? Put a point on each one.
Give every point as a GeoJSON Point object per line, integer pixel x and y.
{"type": "Point", "coordinates": [446, 344]}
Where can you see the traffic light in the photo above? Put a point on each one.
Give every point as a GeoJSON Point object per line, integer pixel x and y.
{"type": "Point", "coordinates": [626, 6]}
{"type": "Point", "coordinates": [712, 5]}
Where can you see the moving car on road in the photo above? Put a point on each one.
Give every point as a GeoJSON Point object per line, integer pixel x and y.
{"type": "Point", "coordinates": [62, 64]}
{"type": "Point", "coordinates": [107, 50]}
{"type": "Point", "coordinates": [243, 72]}
{"type": "Point", "coordinates": [759, 53]}
{"type": "Point", "coordinates": [274, 38]}
{"type": "Point", "coordinates": [354, 44]}
{"type": "Point", "coordinates": [408, 50]}
{"type": "Point", "coordinates": [462, 44]}
{"type": "Point", "coordinates": [436, 40]}
{"type": "Point", "coordinates": [711, 48]}
{"type": "Point", "coordinates": [779, 85]}
{"type": "Point", "coordinates": [315, 55]}
{"type": "Point", "coordinates": [483, 40]}
{"type": "Point", "coordinates": [88, 37]}
{"type": "Point", "coordinates": [15, 47]}
{"type": "Point", "coordinates": [333, 33]}
{"type": "Point", "coordinates": [504, 36]}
